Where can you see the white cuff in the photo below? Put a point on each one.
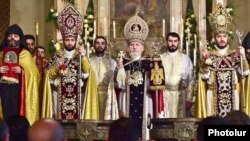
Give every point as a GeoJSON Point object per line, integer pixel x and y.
{"type": "Point", "coordinates": [205, 75]}
{"type": "Point", "coordinates": [121, 78]}
{"type": "Point", "coordinates": [85, 75]}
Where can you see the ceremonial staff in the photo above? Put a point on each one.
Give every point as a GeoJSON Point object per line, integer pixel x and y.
{"type": "Point", "coordinates": [80, 78]}
{"type": "Point", "coordinates": [239, 35]}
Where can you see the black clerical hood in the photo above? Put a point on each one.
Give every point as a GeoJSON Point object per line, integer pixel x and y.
{"type": "Point", "coordinates": [14, 29]}
{"type": "Point", "coordinates": [246, 41]}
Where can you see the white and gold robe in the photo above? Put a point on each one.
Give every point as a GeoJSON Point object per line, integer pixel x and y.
{"type": "Point", "coordinates": [104, 68]}
{"type": "Point", "coordinates": [178, 71]}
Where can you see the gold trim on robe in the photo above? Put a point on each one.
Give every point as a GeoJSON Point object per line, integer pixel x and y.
{"type": "Point", "coordinates": [90, 108]}
{"type": "Point", "coordinates": [201, 97]}
{"type": "Point", "coordinates": [32, 80]}
{"type": "Point", "coordinates": [91, 105]}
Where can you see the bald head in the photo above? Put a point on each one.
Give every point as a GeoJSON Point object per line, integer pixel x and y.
{"type": "Point", "coordinates": [46, 130]}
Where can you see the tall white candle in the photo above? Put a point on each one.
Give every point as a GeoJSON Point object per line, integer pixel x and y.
{"type": "Point", "coordinates": [195, 41]}
{"type": "Point", "coordinates": [105, 26]}
{"type": "Point", "coordinates": [187, 48]}
{"type": "Point", "coordinates": [87, 51]}
{"type": "Point", "coordinates": [195, 57]}
{"type": "Point", "coordinates": [94, 29]}
{"type": "Point", "coordinates": [163, 28]}
{"type": "Point", "coordinates": [114, 30]}
{"type": "Point", "coordinates": [37, 28]}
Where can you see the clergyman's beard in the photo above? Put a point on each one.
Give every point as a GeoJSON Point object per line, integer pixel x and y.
{"type": "Point", "coordinates": [13, 43]}
{"type": "Point", "coordinates": [70, 48]}
{"type": "Point", "coordinates": [221, 47]}
{"type": "Point", "coordinates": [99, 51]}
{"type": "Point", "coordinates": [171, 49]}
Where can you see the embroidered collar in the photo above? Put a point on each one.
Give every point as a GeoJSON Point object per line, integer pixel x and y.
{"type": "Point", "coordinates": [69, 54]}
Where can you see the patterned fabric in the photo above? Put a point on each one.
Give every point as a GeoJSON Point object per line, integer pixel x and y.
{"type": "Point", "coordinates": [70, 21]}
{"type": "Point", "coordinates": [220, 85]}
{"type": "Point", "coordinates": [224, 86]}
{"type": "Point", "coordinates": [68, 90]}
{"type": "Point", "coordinates": [136, 29]}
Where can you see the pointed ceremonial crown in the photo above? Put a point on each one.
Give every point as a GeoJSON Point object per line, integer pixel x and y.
{"type": "Point", "coordinates": [220, 20]}
{"type": "Point", "coordinates": [136, 29]}
{"type": "Point", "coordinates": [69, 21]}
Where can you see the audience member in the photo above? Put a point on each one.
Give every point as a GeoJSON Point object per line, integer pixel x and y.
{"type": "Point", "coordinates": [210, 120]}
{"type": "Point", "coordinates": [46, 130]}
{"type": "Point", "coordinates": [123, 129]}
{"type": "Point", "coordinates": [18, 127]}
{"type": "Point", "coordinates": [4, 131]}
{"type": "Point", "coordinates": [237, 117]}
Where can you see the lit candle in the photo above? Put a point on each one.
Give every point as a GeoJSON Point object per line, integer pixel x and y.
{"type": "Point", "coordinates": [105, 26]}
{"type": "Point", "coordinates": [187, 48]}
{"type": "Point", "coordinates": [37, 28]}
{"type": "Point", "coordinates": [163, 28]}
{"type": "Point", "coordinates": [114, 30]}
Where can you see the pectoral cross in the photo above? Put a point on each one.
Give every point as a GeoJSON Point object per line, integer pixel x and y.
{"type": "Point", "coordinates": [121, 54]}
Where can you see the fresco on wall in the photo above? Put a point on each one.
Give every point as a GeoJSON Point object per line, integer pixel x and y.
{"type": "Point", "coordinates": [152, 11]}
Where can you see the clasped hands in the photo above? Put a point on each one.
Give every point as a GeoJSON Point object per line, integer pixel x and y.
{"type": "Point", "coordinates": [5, 69]}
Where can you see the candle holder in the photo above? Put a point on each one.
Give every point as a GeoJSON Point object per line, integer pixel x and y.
{"type": "Point", "coordinates": [163, 42]}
